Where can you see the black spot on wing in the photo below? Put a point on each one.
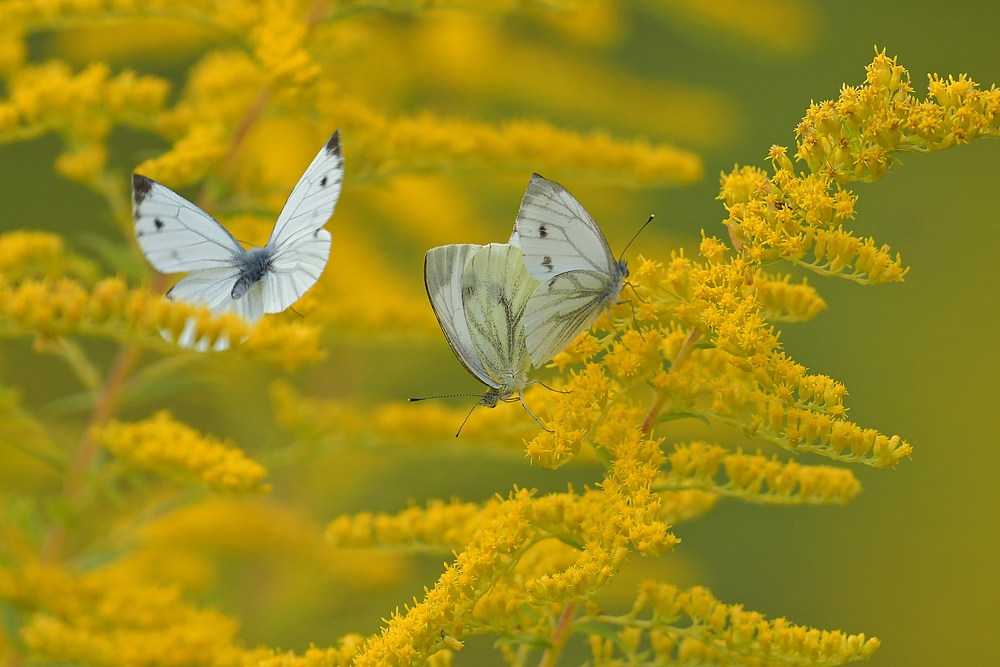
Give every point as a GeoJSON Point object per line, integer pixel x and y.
{"type": "Point", "coordinates": [542, 231]}
{"type": "Point", "coordinates": [158, 223]}
{"type": "Point", "coordinates": [333, 145]}
{"type": "Point", "coordinates": [547, 262]}
{"type": "Point", "coordinates": [322, 182]}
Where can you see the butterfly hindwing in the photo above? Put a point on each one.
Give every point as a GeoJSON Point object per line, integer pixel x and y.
{"type": "Point", "coordinates": [211, 287]}
{"type": "Point", "coordinates": [556, 234]}
{"type": "Point", "coordinates": [495, 292]}
{"type": "Point", "coordinates": [175, 235]}
{"type": "Point", "coordinates": [444, 267]}
{"type": "Point", "coordinates": [560, 308]}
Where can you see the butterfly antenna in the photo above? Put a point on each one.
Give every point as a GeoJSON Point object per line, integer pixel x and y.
{"type": "Point", "coordinates": [651, 216]}
{"type": "Point", "coordinates": [466, 417]}
{"type": "Point", "coordinates": [297, 312]}
{"type": "Point", "coordinates": [427, 398]}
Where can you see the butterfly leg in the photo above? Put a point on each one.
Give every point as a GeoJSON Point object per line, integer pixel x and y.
{"type": "Point", "coordinates": [524, 405]}
{"type": "Point", "coordinates": [634, 320]}
{"type": "Point", "coordinates": [634, 291]}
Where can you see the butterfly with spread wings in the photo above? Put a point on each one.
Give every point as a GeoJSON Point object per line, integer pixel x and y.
{"type": "Point", "coordinates": [565, 249]}
{"type": "Point", "coordinates": [479, 294]}
{"type": "Point", "coordinates": [175, 235]}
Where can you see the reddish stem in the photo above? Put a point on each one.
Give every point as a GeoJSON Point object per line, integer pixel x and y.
{"type": "Point", "coordinates": [682, 354]}
{"type": "Point", "coordinates": [560, 636]}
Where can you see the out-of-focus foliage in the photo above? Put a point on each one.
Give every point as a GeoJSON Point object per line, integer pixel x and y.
{"type": "Point", "coordinates": [122, 527]}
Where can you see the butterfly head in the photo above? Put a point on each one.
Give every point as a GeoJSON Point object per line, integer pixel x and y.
{"type": "Point", "coordinates": [490, 399]}
{"type": "Point", "coordinates": [623, 268]}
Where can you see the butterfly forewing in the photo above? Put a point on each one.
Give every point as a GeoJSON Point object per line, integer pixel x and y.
{"type": "Point", "coordinates": [560, 308]}
{"type": "Point", "coordinates": [444, 267]}
{"type": "Point", "coordinates": [175, 235]}
{"type": "Point", "coordinates": [556, 234]}
{"type": "Point", "coordinates": [313, 199]}
{"type": "Point", "coordinates": [495, 292]}
{"type": "Point", "coordinates": [299, 246]}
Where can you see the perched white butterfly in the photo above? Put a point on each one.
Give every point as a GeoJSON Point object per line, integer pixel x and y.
{"type": "Point", "coordinates": [176, 235]}
{"type": "Point", "coordinates": [564, 248]}
{"type": "Point", "coordinates": [479, 294]}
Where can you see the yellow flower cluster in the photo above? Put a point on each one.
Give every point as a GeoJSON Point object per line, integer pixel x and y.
{"type": "Point", "coordinates": [441, 526]}
{"type": "Point", "coordinates": [162, 444]}
{"type": "Point", "coordinates": [26, 254]}
{"type": "Point", "coordinates": [603, 524]}
{"type": "Point", "coordinates": [756, 478]}
{"type": "Point", "coordinates": [428, 140]}
{"type": "Point", "coordinates": [82, 107]}
{"type": "Point", "coordinates": [104, 618]}
{"type": "Point", "coordinates": [853, 138]}
{"type": "Point", "coordinates": [52, 309]}
{"type": "Point", "coordinates": [784, 301]}
{"type": "Point", "coordinates": [342, 656]}
{"type": "Point", "coordinates": [744, 378]}
{"type": "Point", "coordinates": [692, 627]}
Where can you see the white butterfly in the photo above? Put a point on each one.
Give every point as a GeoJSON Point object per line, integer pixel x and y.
{"type": "Point", "coordinates": [479, 295]}
{"type": "Point", "coordinates": [176, 235]}
{"type": "Point", "coordinates": [564, 248]}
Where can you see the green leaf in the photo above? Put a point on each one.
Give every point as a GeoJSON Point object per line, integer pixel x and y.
{"type": "Point", "coordinates": [537, 642]}
{"type": "Point", "coordinates": [603, 631]}
{"type": "Point", "coordinates": [673, 416]}
{"type": "Point", "coordinates": [703, 345]}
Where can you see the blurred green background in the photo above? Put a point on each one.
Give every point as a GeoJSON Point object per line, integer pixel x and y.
{"type": "Point", "coordinates": [913, 560]}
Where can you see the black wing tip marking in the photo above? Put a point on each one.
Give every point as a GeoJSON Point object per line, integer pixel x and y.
{"type": "Point", "coordinates": [333, 145]}
{"type": "Point", "coordinates": [140, 188]}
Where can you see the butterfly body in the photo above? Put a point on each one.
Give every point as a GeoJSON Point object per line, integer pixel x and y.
{"type": "Point", "coordinates": [565, 249]}
{"type": "Point", "coordinates": [256, 264]}
{"type": "Point", "coordinates": [177, 236]}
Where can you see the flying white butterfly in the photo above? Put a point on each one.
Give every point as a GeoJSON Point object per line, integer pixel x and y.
{"type": "Point", "coordinates": [479, 294]}
{"type": "Point", "coordinates": [564, 248]}
{"type": "Point", "coordinates": [176, 235]}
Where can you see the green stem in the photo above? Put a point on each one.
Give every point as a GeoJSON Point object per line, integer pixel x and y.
{"type": "Point", "coordinates": [107, 399]}
{"type": "Point", "coordinates": [77, 360]}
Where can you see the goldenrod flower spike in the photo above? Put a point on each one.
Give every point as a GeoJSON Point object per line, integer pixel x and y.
{"type": "Point", "coordinates": [104, 617]}
{"type": "Point", "coordinates": [853, 138]}
{"type": "Point", "coordinates": [692, 627]}
{"type": "Point", "coordinates": [161, 444]}
{"type": "Point", "coordinates": [756, 478]}
{"type": "Point", "coordinates": [27, 254]}
{"type": "Point", "coordinates": [50, 309]}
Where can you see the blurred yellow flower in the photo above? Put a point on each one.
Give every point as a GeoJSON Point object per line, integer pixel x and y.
{"type": "Point", "coordinates": [163, 445]}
